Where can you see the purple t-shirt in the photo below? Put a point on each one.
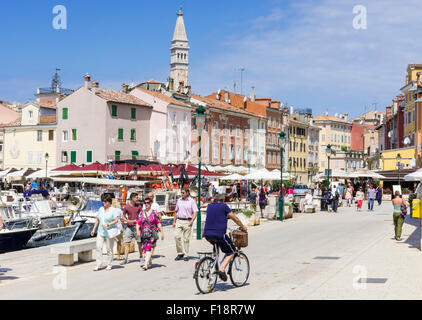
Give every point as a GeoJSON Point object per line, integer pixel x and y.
{"type": "Point", "coordinates": [216, 222]}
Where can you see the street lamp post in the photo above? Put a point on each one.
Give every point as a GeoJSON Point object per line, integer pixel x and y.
{"type": "Point", "coordinates": [200, 117]}
{"type": "Point", "coordinates": [328, 151]}
{"type": "Point", "coordinates": [398, 164]}
{"type": "Point", "coordinates": [282, 139]}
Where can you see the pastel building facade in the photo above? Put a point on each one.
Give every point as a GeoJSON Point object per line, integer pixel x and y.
{"type": "Point", "coordinates": [170, 125]}
{"type": "Point", "coordinates": [94, 124]}
{"type": "Point", "coordinates": [31, 141]}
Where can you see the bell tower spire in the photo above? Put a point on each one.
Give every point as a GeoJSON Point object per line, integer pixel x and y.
{"type": "Point", "coordinates": [179, 49]}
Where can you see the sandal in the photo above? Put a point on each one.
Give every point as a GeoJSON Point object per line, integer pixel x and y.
{"type": "Point", "coordinates": [144, 268]}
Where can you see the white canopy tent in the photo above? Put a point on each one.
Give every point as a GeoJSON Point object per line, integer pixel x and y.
{"type": "Point", "coordinates": [4, 172]}
{"type": "Point", "coordinates": [414, 176]}
{"type": "Point", "coordinates": [233, 176]}
{"type": "Point", "coordinates": [19, 173]}
{"type": "Point", "coordinates": [42, 174]}
{"type": "Point", "coordinates": [97, 181]}
{"type": "Point", "coordinates": [365, 173]}
{"type": "Point", "coordinates": [264, 174]}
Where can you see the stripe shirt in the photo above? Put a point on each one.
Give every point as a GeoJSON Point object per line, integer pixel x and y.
{"type": "Point", "coordinates": [186, 208]}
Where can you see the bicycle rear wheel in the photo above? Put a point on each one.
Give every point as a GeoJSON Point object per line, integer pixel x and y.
{"type": "Point", "coordinates": [206, 277]}
{"type": "Point", "coordinates": [239, 269]}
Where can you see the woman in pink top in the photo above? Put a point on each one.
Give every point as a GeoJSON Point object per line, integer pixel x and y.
{"type": "Point", "coordinates": [148, 221]}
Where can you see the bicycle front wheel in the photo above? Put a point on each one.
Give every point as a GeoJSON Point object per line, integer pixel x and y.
{"type": "Point", "coordinates": [239, 269]}
{"type": "Point", "coordinates": [206, 277]}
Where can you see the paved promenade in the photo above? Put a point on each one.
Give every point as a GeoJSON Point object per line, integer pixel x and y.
{"type": "Point", "coordinates": [344, 255]}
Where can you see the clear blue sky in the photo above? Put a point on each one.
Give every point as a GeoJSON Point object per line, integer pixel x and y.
{"type": "Point", "coordinates": [303, 52]}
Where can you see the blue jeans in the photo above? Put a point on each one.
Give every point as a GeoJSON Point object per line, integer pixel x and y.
{"type": "Point", "coordinates": [371, 204]}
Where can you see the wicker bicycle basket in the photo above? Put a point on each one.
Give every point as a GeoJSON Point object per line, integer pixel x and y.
{"type": "Point", "coordinates": [240, 238]}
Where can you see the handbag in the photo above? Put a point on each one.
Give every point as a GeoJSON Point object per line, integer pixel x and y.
{"type": "Point", "coordinates": [403, 209]}
{"type": "Point", "coordinates": [112, 232]}
{"type": "Point", "coordinates": [155, 234]}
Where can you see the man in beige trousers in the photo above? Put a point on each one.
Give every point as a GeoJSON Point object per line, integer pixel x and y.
{"type": "Point", "coordinates": [186, 211]}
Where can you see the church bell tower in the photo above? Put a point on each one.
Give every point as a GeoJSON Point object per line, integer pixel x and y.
{"type": "Point", "coordinates": [179, 55]}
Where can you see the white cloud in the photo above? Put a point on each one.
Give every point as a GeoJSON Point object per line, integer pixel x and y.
{"type": "Point", "coordinates": [311, 54]}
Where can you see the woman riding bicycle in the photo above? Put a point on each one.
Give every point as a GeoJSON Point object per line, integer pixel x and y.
{"type": "Point", "coordinates": [216, 227]}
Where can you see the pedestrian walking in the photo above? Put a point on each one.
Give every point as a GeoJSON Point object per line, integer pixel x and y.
{"type": "Point", "coordinates": [378, 192]}
{"type": "Point", "coordinates": [348, 197]}
{"type": "Point", "coordinates": [119, 238]}
{"type": "Point", "coordinates": [186, 211]}
{"type": "Point", "coordinates": [130, 216]}
{"type": "Point", "coordinates": [262, 200]}
{"type": "Point", "coordinates": [253, 199]}
{"type": "Point", "coordinates": [107, 218]}
{"type": "Point", "coordinates": [147, 230]}
{"type": "Point", "coordinates": [360, 196]}
{"type": "Point", "coordinates": [154, 206]}
{"type": "Point", "coordinates": [371, 197]}
{"type": "Point", "coordinates": [335, 199]}
{"type": "Point", "coordinates": [399, 209]}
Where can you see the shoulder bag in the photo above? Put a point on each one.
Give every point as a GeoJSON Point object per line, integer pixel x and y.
{"type": "Point", "coordinates": [114, 231]}
{"type": "Point", "coordinates": [155, 234]}
{"type": "Point", "coordinates": [403, 209]}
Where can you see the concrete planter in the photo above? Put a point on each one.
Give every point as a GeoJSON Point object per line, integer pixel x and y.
{"type": "Point", "coordinates": [248, 220]}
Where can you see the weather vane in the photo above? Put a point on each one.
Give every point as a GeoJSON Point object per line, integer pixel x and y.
{"type": "Point", "coordinates": [180, 9]}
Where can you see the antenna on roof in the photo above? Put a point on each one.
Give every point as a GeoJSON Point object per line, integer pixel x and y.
{"type": "Point", "coordinates": [241, 80]}
{"type": "Point", "coordinates": [234, 82]}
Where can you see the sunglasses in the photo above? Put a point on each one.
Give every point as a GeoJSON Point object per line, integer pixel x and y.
{"type": "Point", "coordinates": [147, 202]}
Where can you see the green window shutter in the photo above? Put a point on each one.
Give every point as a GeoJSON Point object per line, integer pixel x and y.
{"type": "Point", "coordinates": [72, 156]}
{"type": "Point", "coordinates": [134, 155]}
{"type": "Point", "coordinates": [117, 155]}
{"type": "Point", "coordinates": [120, 134]}
{"type": "Point", "coordinates": [74, 134]}
{"type": "Point", "coordinates": [89, 156]}
{"type": "Point", "coordinates": [114, 110]}
{"type": "Point", "coordinates": [133, 135]}
{"type": "Point", "coordinates": [133, 113]}
{"type": "Point", "coordinates": [65, 113]}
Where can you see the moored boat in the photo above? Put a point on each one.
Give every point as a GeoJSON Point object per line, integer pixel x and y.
{"type": "Point", "coordinates": [12, 240]}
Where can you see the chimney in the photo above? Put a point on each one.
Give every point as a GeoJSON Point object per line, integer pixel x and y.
{"type": "Point", "coordinates": [346, 117]}
{"type": "Point", "coordinates": [291, 109]}
{"type": "Point", "coordinates": [87, 79]}
{"type": "Point", "coordinates": [218, 95]}
{"type": "Point", "coordinates": [226, 97]}
{"type": "Point", "coordinates": [125, 88]}
{"type": "Point", "coordinates": [95, 86]}
{"type": "Point", "coordinates": [253, 94]}
{"type": "Point", "coordinates": [171, 84]}
{"type": "Point", "coordinates": [181, 86]}
{"type": "Point", "coordinates": [188, 90]}
{"type": "Point", "coordinates": [388, 111]}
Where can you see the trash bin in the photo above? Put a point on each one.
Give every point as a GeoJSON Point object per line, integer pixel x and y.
{"type": "Point", "coordinates": [416, 208]}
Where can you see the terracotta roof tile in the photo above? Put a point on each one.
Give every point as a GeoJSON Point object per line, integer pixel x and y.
{"type": "Point", "coordinates": [163, 97]}
{"type": "Point", "coordinates": [120, 97]}
{"type": "Point", "coordinates": [12, 124]}
{"type": "Point", "coordinates": [330, 118]}
{"type": "Point", "coordinates": [51, 118]}
{"type": "Point", "coordinates": [237, 100]}
{"type": "Point", "coordinates": [224, 106]}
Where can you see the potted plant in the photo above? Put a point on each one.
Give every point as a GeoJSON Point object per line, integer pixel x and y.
{"type": "Point", "coordinates": [288, 210]}
{"type": "Point", "coordinates": [247, 216]}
